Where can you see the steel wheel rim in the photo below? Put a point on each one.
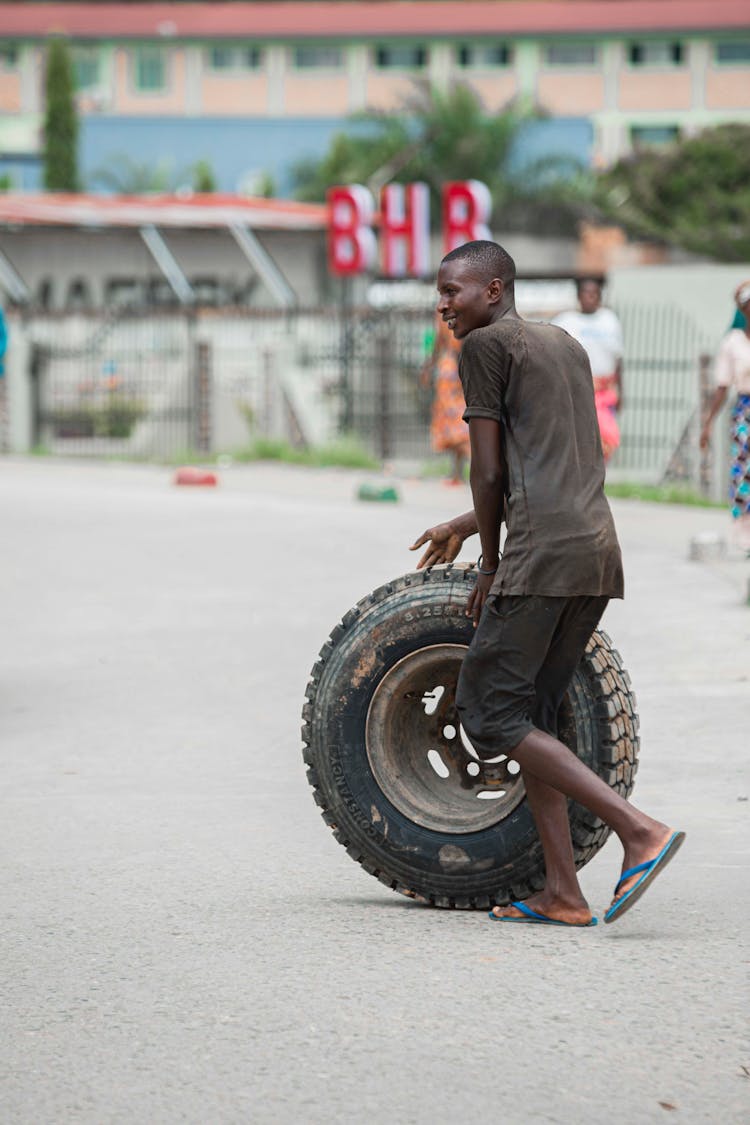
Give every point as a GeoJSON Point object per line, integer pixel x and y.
{"type": "Point", "coordinates": [420, 757]}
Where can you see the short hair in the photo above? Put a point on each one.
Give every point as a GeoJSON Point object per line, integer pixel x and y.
{"type": "Point", "coordinates": [487, 259]}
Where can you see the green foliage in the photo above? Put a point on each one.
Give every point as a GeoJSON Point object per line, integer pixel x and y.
{"type": "Point", "coordinates": [660, 494]}
{"type": "Point", "coordinates": [203, 177]}
{"type": "Point", "coordinates": [346, 453]}
{"type": "Point", "coordinates": [113, 418]}
{"type": "Point", "coordinates": [125, 176]}
{"type": "Point", "coordinates": [435, 136]}
{"type": "Point", "coordinates": [60, 120]}
{"type": "Point", "coordinates": [695, 194]}
{"type": "Point", "coordinates": [6, 182]}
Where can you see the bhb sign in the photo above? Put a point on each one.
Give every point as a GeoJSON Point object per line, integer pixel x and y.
{"type": "Point", "coordinates": [404, 225]}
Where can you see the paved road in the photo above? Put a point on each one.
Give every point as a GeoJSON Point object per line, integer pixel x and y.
{"type": "Point", "coordinates": [183, 940]}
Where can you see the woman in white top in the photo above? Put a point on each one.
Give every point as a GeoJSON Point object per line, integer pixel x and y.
{"type": "Point", "coordinates": [598, 331]}
{"type": "Point", "coordinates": [733, 370]}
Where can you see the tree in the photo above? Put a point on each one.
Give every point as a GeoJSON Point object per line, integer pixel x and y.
{"type": "Point", "coordinates": [125, 176]}
{"type": "Point", "coordinates": [435, 136]}
{"type": "Point", "coordinates": [447, 135]}
{"type": "Point", "coordinates": [60, 120]}
{"type": "Point", "coordinates": [695, 195]}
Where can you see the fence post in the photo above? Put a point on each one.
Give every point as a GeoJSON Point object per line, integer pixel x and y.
{"type": "Point", "coordinates": [38, 359]}
{"type": "Point", "coordinates": [203, 427]}
{"type": "Point", "coordinates": [346, 338]}
{"type": "Point", "coordinates": [383, 365]}
{"type": "Point", "coordinates": [704, 397]}
{"type": "Point", "coordinates": [267, 416]}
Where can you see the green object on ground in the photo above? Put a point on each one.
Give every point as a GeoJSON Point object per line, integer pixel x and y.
{"type": "Point", "coordinates": [378, 491]}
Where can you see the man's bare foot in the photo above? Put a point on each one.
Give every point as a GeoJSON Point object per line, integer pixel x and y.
{"type": "Point", "coordinates": [575, 913]}
{"type": "Point", "coordinates": [643, 851]}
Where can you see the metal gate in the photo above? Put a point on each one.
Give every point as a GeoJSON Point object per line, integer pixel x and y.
{"type": "Point", "coordinates": [659, 422]}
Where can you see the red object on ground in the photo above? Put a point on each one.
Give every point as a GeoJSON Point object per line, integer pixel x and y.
{"type": "Point", "coordinates": [190, 475]}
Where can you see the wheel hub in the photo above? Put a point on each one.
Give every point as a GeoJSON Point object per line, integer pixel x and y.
{"type": "Point", "coordinates": [420, 755]}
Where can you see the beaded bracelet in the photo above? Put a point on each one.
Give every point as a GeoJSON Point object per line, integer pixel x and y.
{"type": "Point", "coordinates": [479, 567]}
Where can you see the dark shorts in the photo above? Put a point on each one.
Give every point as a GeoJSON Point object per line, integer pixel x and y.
{"type": "Point", "coordinates": [519, 665]}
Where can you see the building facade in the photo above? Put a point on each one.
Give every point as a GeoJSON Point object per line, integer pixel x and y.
{"type": "Point", "coordinates": [251, 87]}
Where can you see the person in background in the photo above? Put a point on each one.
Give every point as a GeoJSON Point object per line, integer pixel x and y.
{"type": "Point", "coordinates": [599, 332]}
{"type": "Point", "coordinates": [448, 431]}
{"type": "Point", "coordinates": [732, 369]}
{"type": "Point", "coordinates": [3, 390]}
{"type": "Point", "coordinates": [3, 343]}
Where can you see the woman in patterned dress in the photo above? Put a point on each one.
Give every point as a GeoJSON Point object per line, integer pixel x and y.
{"type": "Point", "coordinates": [448, 431]}
{"type": "Point", "coordinates": [733, 370]}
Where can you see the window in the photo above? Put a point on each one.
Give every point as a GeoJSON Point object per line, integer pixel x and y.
{"type": "Point", "coordinates": [150, 68]}
{"type": "Point", "coordinates": [8, 56]}
{"type": "Point", "coordinates": [736, 52]}
{"type": "Point", "coordinates": [657, 52]}
{"type": "Point", "coordinates": [654, 136]}
{"type": "Point", "coordinates": [401, 56]}
{"type": "Point", "coordinates": [483, 54]}
{"type": "Point", "coordinates": [329, 57]}
{"type": "Point", "coordinates": [86, 67]}
{"type": "Point", "coordinates": [221, 57]}
{"type": "Point", "coordinates": [571, 54]}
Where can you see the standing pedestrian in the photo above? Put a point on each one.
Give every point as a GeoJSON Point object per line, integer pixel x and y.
{"type": "Point", "coordinates": [732, 370]}
{"type": "Point", "coordinates": [536, 463]}
{"type": "Point", "coordinates": [448, 431]}
{"type": "Point", "coordinates": [599, 331]}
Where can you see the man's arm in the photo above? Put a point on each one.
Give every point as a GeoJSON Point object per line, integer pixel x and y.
{"type": "Point", "coordinates": [445, 540]}
{"type": "Point", "coordinates": [488, 491]}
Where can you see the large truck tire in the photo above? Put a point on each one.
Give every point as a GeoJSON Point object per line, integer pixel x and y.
{"type": "Point", "coordinates": [396, 778]}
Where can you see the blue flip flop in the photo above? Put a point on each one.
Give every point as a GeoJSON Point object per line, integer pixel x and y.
{"type": "Point", "coordinates": [540, 919]}
{"type": "Point", "coordinates": [650, 870]}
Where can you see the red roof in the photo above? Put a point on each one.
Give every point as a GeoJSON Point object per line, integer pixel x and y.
{"type": "Point", "coordinates": [57, 209]}
{"type": "Point", "coordinates": [351, 20]}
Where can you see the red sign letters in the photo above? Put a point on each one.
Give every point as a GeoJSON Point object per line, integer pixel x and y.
{"type": "Point", "coordinates": [404, 223]}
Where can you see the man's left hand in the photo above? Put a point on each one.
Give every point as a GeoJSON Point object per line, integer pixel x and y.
{"type": "Point", "coordinates": [478, 596]}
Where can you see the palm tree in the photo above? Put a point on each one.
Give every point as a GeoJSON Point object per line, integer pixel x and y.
{"type": "Point", "coordinates": [436, 136]}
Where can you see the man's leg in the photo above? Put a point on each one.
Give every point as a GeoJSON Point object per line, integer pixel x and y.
{"type": "Point", "coordinates": [561, 897]}
{"type": "Point", "coordinates": [547, 759]}
{"type": "Point", "coordinates": [496, 697]}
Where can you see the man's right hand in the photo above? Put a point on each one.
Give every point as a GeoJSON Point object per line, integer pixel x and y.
{"type": "Point", "coordinates": [444, 543]}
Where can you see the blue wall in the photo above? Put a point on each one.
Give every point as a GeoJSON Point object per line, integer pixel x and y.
{"type": "Point", "coordinates": [236, 147]}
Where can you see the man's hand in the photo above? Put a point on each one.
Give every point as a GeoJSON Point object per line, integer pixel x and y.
{"type": "Point", "coordinates": [478, 596]}
{"type": "Point", "coordinates": [444, 544]}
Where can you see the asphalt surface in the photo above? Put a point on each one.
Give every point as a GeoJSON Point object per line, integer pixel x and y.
{"type": "Point", "coordinates": [184, 941]}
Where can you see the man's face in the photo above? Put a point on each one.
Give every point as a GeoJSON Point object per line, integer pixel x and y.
{"type": "Point", "coordinates": [465, 302]}
{"type": "Point", "coordinates": [589, 297]}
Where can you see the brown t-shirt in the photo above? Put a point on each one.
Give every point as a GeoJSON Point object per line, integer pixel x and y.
{"type": "Point", "coordinates": [535, 380]}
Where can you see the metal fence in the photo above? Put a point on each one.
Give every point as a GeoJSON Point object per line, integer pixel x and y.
{"type": "Point", "coordinates": [662, 394]}
{"type": "Point", "coordinates": [215, 380]}
{"type": "Point", "coordinates": [208, 381]}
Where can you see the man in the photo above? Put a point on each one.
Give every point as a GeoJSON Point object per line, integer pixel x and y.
{"type": "Point", "coordinates": [598, 331]}
{"type": "Point", "coordinates": [536, 463]}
